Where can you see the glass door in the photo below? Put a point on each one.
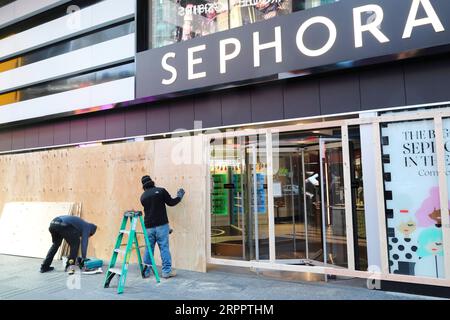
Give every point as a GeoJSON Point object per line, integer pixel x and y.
{"type": "Point", "coordinates": [297, 201]}
{"type": "Point", "coordinates": [309, 207]}
{"type": "Point", "coordinates": [257, 217]}
{"type": "Point", "coordinates": [288, 206]}
{"type": "Point", "coordinates": [309, 203]}
{"type": "Point", "coordinates": [312, 202]}
{"type": "Point", "coordinates": [333, 202]}
{"type": "Point", "coordinates": [239, 215]}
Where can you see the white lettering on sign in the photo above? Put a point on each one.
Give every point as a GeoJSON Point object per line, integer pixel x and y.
{"type": "Point", "coordinates": [169, 68]}
{"type": "Point", "coordinates": [367, 21]}
{"type": "Point", "coordinates": [331, 38]}
{"type": "Point", "coordinates": [432, 18]}
{"type": "Point", "coordinates": [373, 27]}
{"type": "Point", "coordinates": [258, 47]}
{"type": "Point", "coordinates": [193, 61]}
{"type": "Point", "coordinates": [224, 57]}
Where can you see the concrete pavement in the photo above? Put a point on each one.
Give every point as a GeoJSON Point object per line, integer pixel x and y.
{"type": "Point", "coordinates": [20, 279]}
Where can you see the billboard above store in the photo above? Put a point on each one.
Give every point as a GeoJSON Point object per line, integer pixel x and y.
{"type": "Point", "coordinates": [341, 35]}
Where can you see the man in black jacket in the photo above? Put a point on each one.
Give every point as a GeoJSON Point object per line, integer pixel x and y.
{"type": "Point", "coordinates": [154, 201]}
{"type": "Point", "coordinates": [71, 229]}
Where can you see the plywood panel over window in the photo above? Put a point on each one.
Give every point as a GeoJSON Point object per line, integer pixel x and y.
{"type": "Point", "coordinates": [107, 181]}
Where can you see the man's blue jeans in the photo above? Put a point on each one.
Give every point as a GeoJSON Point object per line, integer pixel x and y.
{"type": "Point", "coordinates": [160, 235]}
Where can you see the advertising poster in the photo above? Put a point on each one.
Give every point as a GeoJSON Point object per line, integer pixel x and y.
{"type": "Point", "coordinates": [413, 214]}
{"type": "Point", "coordinates": [220, 195]}
{"type": "Point", "coordinates": [260, 193]}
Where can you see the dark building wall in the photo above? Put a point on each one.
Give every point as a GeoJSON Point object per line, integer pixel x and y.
{"type": "Point", "coordinates": [409, 82]}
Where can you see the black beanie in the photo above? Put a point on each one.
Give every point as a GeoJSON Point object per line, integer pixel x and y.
{"type": "Point", "coordinates": [147, 182]}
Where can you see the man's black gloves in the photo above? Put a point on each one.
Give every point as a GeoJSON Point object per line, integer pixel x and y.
{"type": "Point", "coordinates": [181, 193]}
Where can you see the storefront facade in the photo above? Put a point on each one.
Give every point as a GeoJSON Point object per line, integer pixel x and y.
{"type": "Point", "coordinates": [324, 128]}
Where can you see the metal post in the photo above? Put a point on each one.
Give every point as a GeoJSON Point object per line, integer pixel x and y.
{"type": "Point", "coordinates": [255, 201]}
{"type": "Point", "coordinates": [322, 196]}
{"type": "Point", "coordinates": [270, 200]}
{"type": "Point", "coordinates": [292, 202]}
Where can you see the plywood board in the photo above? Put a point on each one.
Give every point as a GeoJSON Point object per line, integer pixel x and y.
{"type": "Point", "coordinates": [107, 181]}
{"type": "Point", "coordinates": [24, 227]}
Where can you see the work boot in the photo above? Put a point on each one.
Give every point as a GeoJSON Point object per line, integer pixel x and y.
{"type": "Point", "coordinates": [172, 274]}
{"type": "Point", "coordinates": [45, 269]}
{"type": "Point", "coordinates": [147, 272]}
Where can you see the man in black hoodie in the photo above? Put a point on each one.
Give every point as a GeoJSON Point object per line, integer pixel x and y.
{"type": "Point", "coordinates": [71, 229]}
{"type": "Point", "coordinates": [154, 201]}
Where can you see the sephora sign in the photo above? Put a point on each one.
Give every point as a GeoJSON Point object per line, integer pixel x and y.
{"type": "Point", "coordinates": [345, 34]}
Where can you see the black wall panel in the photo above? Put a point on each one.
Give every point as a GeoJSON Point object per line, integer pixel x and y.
{"type": "Point", "coordinates": [427, 81]}
{"type": "Point", "coordinates": [32, 137]}
{"type": "Point", "coordinates": [96, 128]}
{"type": "Point", "coordinates": [340, 93]}
{"type": "Point", "coordinates": [158, 118]}
{"type": "Point", "coordinates": [5, 141]}
{"type": "Point", "coordinates": [236, 107]}
{"type": "Point", "coordinates": [136, 122]}
{"type": "Point", "coordinates": [267, 103]}
{"type": "Point", "coordinates": [18, 139]}
{"type": "Point", "coordinates": [208, 110]}
{"type": "Point", "coordinates": [115, 125]}
{"type": "Point", "coordinates": [301, 99]}
{"type": "Point", "coordinates": [46, 135]}
{"type": "Point", "coordinates": [62, 133]}
{"type": "Point", "coordinates": [182, 114]}
{"type": "Point", "coordinates": [78, 130]}
{"type": "Point", "coordinates": [382, 88]}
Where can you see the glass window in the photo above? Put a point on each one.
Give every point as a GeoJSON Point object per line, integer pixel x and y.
{"type": "Point", "coordinates": [179, 20]}
{"type": "Point", "coordinates": [44, 17]}
{"type": "Point", "coordinates": [62, 85]}
{"type": "Point", "coordinates": [68, 46]}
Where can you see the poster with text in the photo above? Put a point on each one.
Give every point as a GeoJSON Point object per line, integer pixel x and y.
{"type": "Point", "coordinates": [414, 229]}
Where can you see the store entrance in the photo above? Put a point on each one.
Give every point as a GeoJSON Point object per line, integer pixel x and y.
{"type": "Point", "coordinates": [310, 226]}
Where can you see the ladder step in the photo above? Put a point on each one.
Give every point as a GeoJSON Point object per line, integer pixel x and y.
{"type": "Point", "coordinates": [128, 232]}
{"type": "Point", "coordinates": [119, 251]}
{"type": "Point", "coordinates": [125, 244]}
{"type": "Point", "coordinates": [116, 271]}
{"type": "Point", "coordinates": [147, 265]}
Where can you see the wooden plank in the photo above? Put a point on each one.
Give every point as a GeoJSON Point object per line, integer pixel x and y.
{"type": "Point", "coordinates": [24, 227]}
{"type": "Point", "coordinates": [329, 270]}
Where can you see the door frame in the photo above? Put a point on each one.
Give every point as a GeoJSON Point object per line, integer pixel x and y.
{"type": "Point", "coordinates": [374, 121]}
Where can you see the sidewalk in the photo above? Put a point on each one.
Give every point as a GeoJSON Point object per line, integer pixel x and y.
{"type": "Point", "coordinates": [20, 279]}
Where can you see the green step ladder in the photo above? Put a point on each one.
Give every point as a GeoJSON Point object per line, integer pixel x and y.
{"type": "Point", "coordinates": [134, 217]}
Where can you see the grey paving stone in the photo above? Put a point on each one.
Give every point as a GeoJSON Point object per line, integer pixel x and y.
{"type": "Point", "coordinates": [20, 279]}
